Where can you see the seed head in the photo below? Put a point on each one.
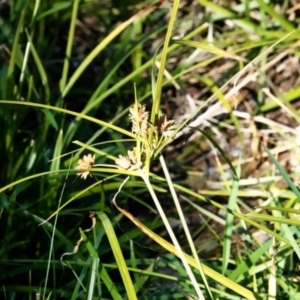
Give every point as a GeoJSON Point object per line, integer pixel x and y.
{"type": "Point", "coordinates": [84, 164]}
{"type": "Point", "coordinates": [139, 118]}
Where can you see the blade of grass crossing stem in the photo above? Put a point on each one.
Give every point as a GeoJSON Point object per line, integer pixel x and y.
{"type": "Point", "coordinates": [217, 277]}
{"type": "Point", "coordinates": [118, 256]}
{"type": "Point", "coordinates": [229, 219]}
{"type": "Point", "coordinates": [184, 225]}
{"type": "Point", "coordinates": [283, 173]}
{"type": "Point", "coordinates": [63, 80]}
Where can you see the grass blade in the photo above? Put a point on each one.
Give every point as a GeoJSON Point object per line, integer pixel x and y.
{"type": "Point", "coordinates": [115, 246]}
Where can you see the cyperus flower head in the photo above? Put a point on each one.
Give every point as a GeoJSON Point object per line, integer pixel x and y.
{"type": "Point", "coordinates": [139, 118]}
{"type": "Point", "coordinates": [130, 162]}
{"type": "Point", "coordinates": [165, 126]}
{"type": "Point", "coordinates": [84, 165]}
{"type": "Point", "coordinates": [123, 162]}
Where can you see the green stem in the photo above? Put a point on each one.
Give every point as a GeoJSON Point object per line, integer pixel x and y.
{"type": "Point", "coordinates": [184, 225]}
{"type": "Point", "coordinates": [172, 236]}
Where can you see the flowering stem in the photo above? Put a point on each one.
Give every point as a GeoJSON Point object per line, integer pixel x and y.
{"type": "Point", "coordinates": [184, 225]}
{"type": "Point", "coordinates": [172, 235]}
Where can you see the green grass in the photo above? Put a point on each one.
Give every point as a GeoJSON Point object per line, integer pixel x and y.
{"type": "Point", "coordinates": [71, 73]}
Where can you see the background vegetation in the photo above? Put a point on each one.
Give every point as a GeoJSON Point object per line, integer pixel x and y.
{"type": "Point", "coordinates": [207, 211]}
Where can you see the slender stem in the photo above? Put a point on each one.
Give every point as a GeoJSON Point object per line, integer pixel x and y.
{"type": "Point", "coordinates": [172, 236]}
{"type": "Point", "coordinates": [183, 223]}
